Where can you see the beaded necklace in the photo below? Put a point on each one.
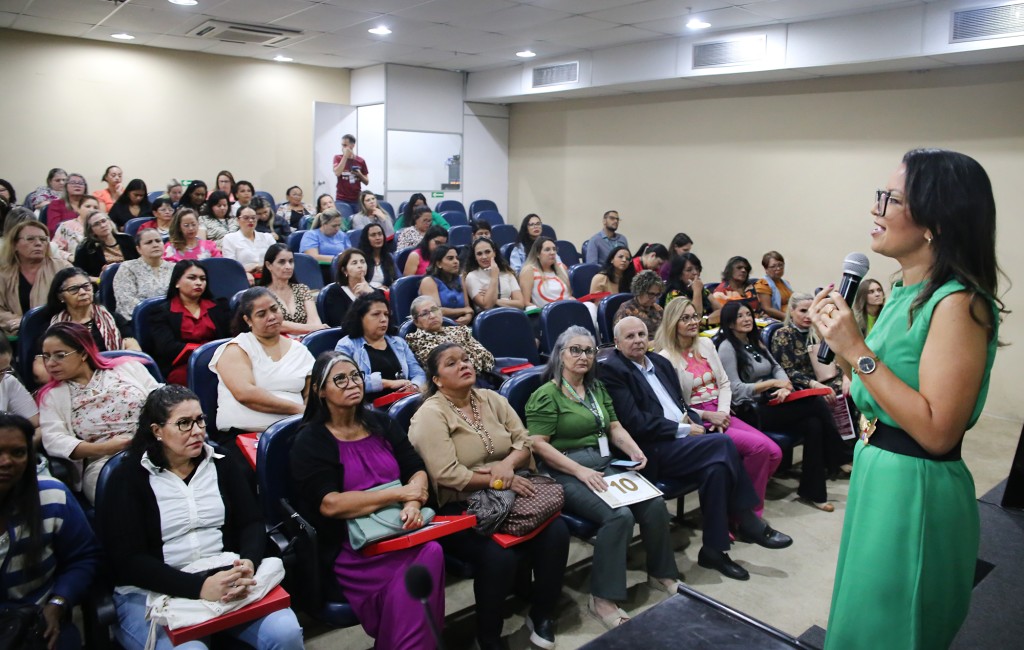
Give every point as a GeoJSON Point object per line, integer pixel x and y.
{"type": "Point", "coordinates": [476, 423]}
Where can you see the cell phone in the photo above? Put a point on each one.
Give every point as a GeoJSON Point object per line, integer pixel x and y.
{"type": "Point", "coordinates": [618, 462]}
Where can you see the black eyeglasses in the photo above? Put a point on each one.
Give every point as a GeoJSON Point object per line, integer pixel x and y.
{"type": "Point", "coordinates": [577, 351]}
{"type": "Point", "coordinates": [76, 288]}
{"type": "Point", "coordinates": [752, 351]}
{"type": "Point", "coordinates": [185, 425]}
{"type": "Point", "coordinates": [882, 198]}
{"type": "Point", "coordinates": [342, 380]}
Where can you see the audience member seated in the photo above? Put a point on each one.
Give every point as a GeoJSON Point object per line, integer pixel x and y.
{"type": "Point", "coordinates": [325, 238]}
{"type": "Point", "coordinates": [371, 212]}
{"type": "Point", "coordinates": [419, 258]}
{"type": "Point", "coordinates": [343, 451]}
{"type": "Point", "coordinates": [163, 215]}
{"type": "Point", "coordinates": [175, 190]}
{"type": "Point", "coordinates": [773, 291]}
{"type": "Point", "coordinates": [430, 332]}
{"type": "Point", "coordinates": [471, 439]}
{"type": "Point", "coordinates": [243, 193]}
{"type": "Point", "coordinates": [422, 219]}
{"type": "Point", "coordinates": [680, 245]}
{"type": "Point", "coordinates": [145, 276]}
{"type": "Point", "coordinates": [443, 283]}
{"type": "Point", "coordinates": [71, 233]}
{"type": "Point", "coordinates": [706, 390]}
{"type": "Point", "coordinates": [298, 307]}
{"type": "Point", "coordinates": [757, 380]}
{"type": "Point", "coordinates": [66, 207]}
{"type": "Point", "coordinates": [601, 244]}
{"type": "Point", "coordinates": [481, 229]}
{"type": "Point", "coordinates": [245, 245]}
{"type": "Point", "coordinates": [89, 410]}
{"type": "Point", "coordinates": [40, 197]}
{"type": "Point", "coordinates": [649, 257]}
{"type": "Point", "coordinates": [174, 502]}
{"type": "Point", "coordinates": [649, 402]}
{"type": "Point", "coordinates": [684, 280]}
{"type": "Point", "coordinates": [216, 221]}
{"type": "Point", "coordinates": [194, 196]}
{"type": "Point", "coordinates": [103, 245]}
{"type": "Point", "coordinates": [380, 264]}
{"type": "Point", "coordinates": [646, 289]}
{"type": "Point", "coordinates": [791, 346]}
{"type": "Point", "coordinates": [609, 278]}
{"type": "Point", "coordinates": [51, 555]}
{"type": "Point", "coordinates": [189, 318]}
{"type": "Point", "coordinates": [326, 202]}
{"type": "Point", "coordinates": [184, 242]}
{"type": "Point", "coordinates": [489, 280]}
{"type": "Point", "coordinates": [868, 304]}
{"type": "Point", "coordinates": [529, 230]}
{"type": "Point", "coordinates": [268, 222]}
{"type": "Point", "coordinates": [112, 176]}
{"type": "Point", "coordinates": [415, 201]}
{"type": "Point", "coordinates": [735, 285]}
{"type": "Point", "coordinates": [572, 423]}
{"type": "Point", "coordinates": [386, 361]}
{"type": "Point", "coordinates": [26, 270]}
{"type": "Point", "coordinates": [14, 397]}
{"type": "Point", "coordinates": [543, 279]}
{"type": "Point", "coordinates": [133, 203]}
{"type": "Point", "coordinates": [263, 374]}
{"type": "Point", "coordinates": [7, 192]}
{"type": "Point", "coordinates": [226, 183]}
{"type": "Point", "coordinates": [293, 211]}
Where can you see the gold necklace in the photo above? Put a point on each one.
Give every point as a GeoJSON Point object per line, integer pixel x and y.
{"type": "Point", "coordinates": [476, 423]}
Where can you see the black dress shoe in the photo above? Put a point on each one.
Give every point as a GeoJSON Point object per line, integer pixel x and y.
{"type": "Point", "coordinates": [722, 563]}
{"type": "Point", "coordinates": [769, 538]}
{"type": "Point", "coordinates": [542, 632]}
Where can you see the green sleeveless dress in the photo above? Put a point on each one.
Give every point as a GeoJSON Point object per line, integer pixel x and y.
{"type": "Point", "coordinates": [910, 538]}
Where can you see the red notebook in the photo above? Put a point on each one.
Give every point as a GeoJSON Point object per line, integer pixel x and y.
{"type": "Point", "coordinates": [511, 540]}
{"type": "Point", "coordinates": [247, 442]}
{"type": "Point", "coordinates": [595, 297]}
{"type": "Point", "coordinates": [389, 399]}
{"type": "Point", "coordinates": [277, 599]}
{"type": "Point", "coordinates": [508, 370]}
{"type": "Point", "coordinates": [800, 394]}
{"type": "Point", "coordinates": [441, 526]}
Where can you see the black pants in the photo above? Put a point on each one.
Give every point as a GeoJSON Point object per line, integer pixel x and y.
{"type": "Point", "coordinates": [494, 571]}
{"type": "Point", "coordinates": [713, 461]}
{"type": "Point", "coordinates": [823, 448]}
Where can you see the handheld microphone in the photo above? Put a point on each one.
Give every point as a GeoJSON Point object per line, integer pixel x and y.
{"type": "Point", "coordinates": [419, 584]}
{"type": "Point", "coordinates": [855, 267]}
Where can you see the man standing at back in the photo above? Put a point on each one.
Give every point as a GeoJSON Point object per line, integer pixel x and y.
{"type": "Point", "coordinates": [604, 241]}
{"type": "Point", "coordinates": [351, 172]}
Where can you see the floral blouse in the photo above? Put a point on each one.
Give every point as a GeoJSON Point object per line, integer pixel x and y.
{"type": "Point", "coordinates": [136, 280]}
{"type": "Point", "coordinates": [217, 228]}
{"type": "Point", "coordinates": [105, 407]}
{"type": "Point", "coordinates": [204, 249]}
{"type": "Point", "coordinates": [789, 347]}
{"type": "Point", "coordinates": [301, 294]}
{"type": "Point", "coordinates": [68, 236]}
{"type": "Point", "coordinates": [705, 388]}
{"type": "Point", "coordinates": [422, 342]}
{"type": "Point", "coordinates": [408, 237]}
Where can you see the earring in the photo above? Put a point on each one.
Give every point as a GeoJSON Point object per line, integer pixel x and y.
{"type": "Point", "coordinates": [928, 239]}
{"type": "Point", "coordinates": [159, 439]}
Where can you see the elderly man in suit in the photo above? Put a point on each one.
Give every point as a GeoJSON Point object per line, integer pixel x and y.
{"type": "Point", "coordinates": [649, 403]}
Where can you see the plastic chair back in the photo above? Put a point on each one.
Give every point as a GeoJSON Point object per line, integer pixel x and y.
{"type": "Point", "coordinates": [295, 240]}
{"type": "Point", "coordinates": [558, 316]}
{"type": "Point", "coordinates": [460, 236]}
{"type": "Point", "coordinates": [345, 210]}
{"type": "Point", "coordinates": [225, 276]}
{"type": "Point", "coordinates": [328, 305]}
{"type": "Point", "coordinates": [153, 196]}
{"type": "Point", "coordinates": [269, 197]}
{"type": "Point", "coordinates": [203, 381]}
{"type": "Point", "coordinates": [107, 297]}
{"type": "Point", "coordinates": [33, 325]}
{"type": "Point", "coordinates": [449, 205]}
{"type": "Point", "coordinates": [141, 322]}
{"type": "Point", "coordinates": [402, 257]}
{"type": "Point", "coordinates": [580, 277]}
{"type": "Point", "coordinates": [323, 340]}
{"type": "Point", "coordinates": [490, 216]}
{"type": "Point", "coordinates": [518, 389]}
{"type": "Point", "coordinates": [390, 209]}
{"type": "Point", "coordinates": [235, 301]}
{"type": "Point", "coordinates": [768, 333]}
{"type": "Point", "coordinates": [506, 251]}
{"type": "Point", "coordinates": [403, 292]}
{"type": "Point", "coordinates": [143, 358]}
{"type": "Point", "coordinates": [506, 332]}
{"type": "Point", "coordinates": [606, 314]}
{"type": "Point", "coordinates": [401, 412]}
{"type": "Point", "coordinates": [273, 453]}
{"type": "Point", "coordinates": [548, 231]}
{"type": "Point", "coordinates": [307, 271]}
{"type": "Point", "coordinates": [503, 233]}
{"type": "Point", "coordinates": [568, 254]}
{"type": "Point", "coordinates": [482, 204]}
{"type": "Point", "coordinates": [353, 237]}
{"type": "Point", "coordinates": [103, 481]}
{"type": "Point", "coordinates": [131, 227]}
{"type": "Point", "coordinates": [455, 218]}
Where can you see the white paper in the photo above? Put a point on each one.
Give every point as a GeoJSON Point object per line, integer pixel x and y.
{"type": "Point", "coordinates": [627, 488]}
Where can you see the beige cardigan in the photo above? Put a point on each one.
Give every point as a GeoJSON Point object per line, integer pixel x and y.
{"type": "Point", "coordinates": [707, 350]}
{"type": "Point", "coordinates": [10, 304]}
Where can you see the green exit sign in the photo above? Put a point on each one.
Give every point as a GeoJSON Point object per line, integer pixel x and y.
{"type": "Point", "coordinates": [437, 195]}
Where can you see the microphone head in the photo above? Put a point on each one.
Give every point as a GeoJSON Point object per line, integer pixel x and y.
{"type": "Point", "coordinates": [856, 264]}
{"type": "Point", "coordinates": [418, 582]}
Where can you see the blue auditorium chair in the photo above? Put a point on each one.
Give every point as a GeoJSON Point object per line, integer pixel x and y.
{"type": "Point", "coordinates": [506, 332]}
{"type": "Point", "coordinates": [307, 271]}
{"type": "Point", "coordinates": [203, 381]}
{"type": "Point", "coordinates": [606, 314]}
{"type": "Point", "coordinates": [455, 218]}
{"type": "Point", "coordinates": [403, 292]}
{"type": "Point", "coordinates": [558, 316]}
{"type": "Point", "coordinates": [482, 204]}
{"type": "Point", "coordinates": [449, 205]}
{"type": "Point", "coordinates": [322, 341]}
{"type": "Point", "coordinates": [225, 277]}
{"type": "Point", "coordinates": [492, 217]}
{"type": "Point", "coordinates": [580, 277]}
{"type": "Point", "coordinates": [568, 254]}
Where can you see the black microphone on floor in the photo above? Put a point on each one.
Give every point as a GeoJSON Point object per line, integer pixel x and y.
{"type": "Point", "coordinates": [419, 584]}
{"type": "Point", "coordinates": [855, 267]}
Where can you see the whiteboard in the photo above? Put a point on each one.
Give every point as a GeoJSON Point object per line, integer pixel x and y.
{"type": "Point", "coordinates": [418, 161]}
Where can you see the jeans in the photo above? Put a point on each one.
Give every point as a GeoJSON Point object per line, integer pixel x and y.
{"type": "Point", "coordinates": [276, 631]}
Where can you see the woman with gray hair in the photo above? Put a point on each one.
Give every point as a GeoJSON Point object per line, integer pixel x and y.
{"type": "Point", "coordinates": [430, 332]}
{"type": "Point", "coordinates": [573, 424]}
{"type": "Point", "coordinates": [646, 287]}
{"type": "Point", "coordinates": [790, 347]}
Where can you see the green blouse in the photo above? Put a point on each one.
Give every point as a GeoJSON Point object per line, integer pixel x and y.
{"type": "Point", "coordinates": [899, 347]}
{"type": "Point", "coordinates": [568, 424]}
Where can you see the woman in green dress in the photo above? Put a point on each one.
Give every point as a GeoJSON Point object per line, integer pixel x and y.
{"type": "Point", "coordinates": [910, 539]}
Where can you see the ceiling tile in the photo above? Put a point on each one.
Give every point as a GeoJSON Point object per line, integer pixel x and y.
{"type": "Point", "coordinates": [256, 12]}
{"type": "Point", "coordinates": [556, 29]}
{"type": "Point", "coordinates": [331, 44]}
{"type": "Point", "coordinates": [333, 61]}
{"type": "Point", "coordinates": [720, 19]}
{"type": "Point", "coordinates": [13, 6]}
{"type": "Point", "coordinates": [579, 6]}
{"type": "Point", "coordinates": [185, 43]}
{"type": "Point", "coordinates": [444, 11]}
{"type": "Point", "coordinates": [469, 63]}
{"type": "Point", "coordinates": [6, 19]}
{"type": "Point", "coordinates": [325, 18]}
{"type": "Point", "coordinates": [130, 17]}
{"type": "Point", "coordinates": [809, 9]}
{"type": "Point", "coordinates": [50, 26]}
{"type": "Point", "coordinates": [453, 39]}
{"type": "Point", "coordinates": [242, 49]}
{"type": "Point", "coordinates": [613, 36]}
{"type": "Point", "coordinates": [204, 5]}
{"type": "Point", "coordinates": [517, 17]}
{"type": "Point", "coordinates": [655, 10]}
{"type": "Point", "coordinates": [377, 6]}
{"type": "Point", "coordinates": [400, 28]}
{"type": "Point", "coordinates": [68, 10]}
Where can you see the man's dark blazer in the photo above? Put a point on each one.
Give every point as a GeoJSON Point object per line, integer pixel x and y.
{"type": "Point", "coordinates": [636, 404]}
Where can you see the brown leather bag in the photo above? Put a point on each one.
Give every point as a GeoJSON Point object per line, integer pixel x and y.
{"type": "Point", "coordinates": [528, 513]}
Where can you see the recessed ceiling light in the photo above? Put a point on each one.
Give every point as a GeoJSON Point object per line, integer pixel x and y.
{"type": "Point", "coordinates": [283, 59]}
{"type": "Point", "coordinates": [187, 3]}
{"type": "Point", "coordinates": [526, 54]}
{"type": "Point", "coordinates": [123, 37]}
{"type": "Point", "coordinates": [697, 23]}
{"type": "Point", "coordinates": [380, 31]}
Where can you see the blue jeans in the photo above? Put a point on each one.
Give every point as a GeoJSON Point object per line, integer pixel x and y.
{"type": "Point", "coordinates": [276, 631]}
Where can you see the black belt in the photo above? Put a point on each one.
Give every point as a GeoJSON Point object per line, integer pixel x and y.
{"type": "Point", "coordinates": [899, 441]}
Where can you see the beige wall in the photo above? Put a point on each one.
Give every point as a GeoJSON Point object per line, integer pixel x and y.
{"type": "Point", "coordinates": [157, 113]}
{"type": "Point", "coordinates": [789, 166]}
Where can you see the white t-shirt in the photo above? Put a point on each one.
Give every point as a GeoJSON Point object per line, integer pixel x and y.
{"type": "Point", "coordinates": [14, 398]}
{"type": "Point", "coordinates": [479, 280]}
{"type": "Point", "coordinates": [237, 247]}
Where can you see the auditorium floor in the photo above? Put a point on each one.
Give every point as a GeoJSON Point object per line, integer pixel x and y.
{"type": "Point", "coordinates": [789, 589]}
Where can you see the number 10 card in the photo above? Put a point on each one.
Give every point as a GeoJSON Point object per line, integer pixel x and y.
{"type": "Point", "coordinates": [627, 488]}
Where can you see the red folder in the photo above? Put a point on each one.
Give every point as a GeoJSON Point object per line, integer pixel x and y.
{"type": "Point", "coordinates": [508, 370]}
{"type": "Point", "coordinates": [247, 443]}
{"type": "Point", "coordinates": [389, 399]}
{"type": "Point", "coordinates": [506, 540]}
{"type": "Point", "coordinates": [595, 297]}
{"type": "Point", "coordinates": [441, 526]}
{"type": "Point", "coordinates": [277, 599]}
{"type": "Point", "coordinates": [800, 394]}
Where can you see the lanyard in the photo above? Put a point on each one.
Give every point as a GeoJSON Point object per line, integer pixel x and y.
{"type": "Point", "coordinates": [591, 403]}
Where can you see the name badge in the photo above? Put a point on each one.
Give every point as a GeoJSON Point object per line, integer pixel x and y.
{"type": "Point", "coordinates": [602, 446]}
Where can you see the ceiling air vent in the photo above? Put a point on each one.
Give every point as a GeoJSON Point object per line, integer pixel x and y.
{"type": "Point", "coordinates": [555, 74]}
{"type": "Point", "coordinates": [242, 33]}
{"type": "Point", "coordinates": [732, 52]}
{"type": "Point", "coordinates": [988, 22]}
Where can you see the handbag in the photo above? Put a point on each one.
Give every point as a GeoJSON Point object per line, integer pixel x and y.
{"type": "Point", "coordinates": [382, 524]}
{"type": "Point", "coordinates": [491, 507]}
{"type": "Point", "coordinates": [21, 628]}
{"type": "Point", "coordinates": [528, 513]}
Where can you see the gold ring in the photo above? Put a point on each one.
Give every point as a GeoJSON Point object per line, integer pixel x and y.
{"type": "Point", "coordinates": [498, 484]}
{"type": "Point", "coordinates": [831, 308]}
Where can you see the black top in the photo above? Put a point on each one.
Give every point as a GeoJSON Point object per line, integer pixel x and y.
{"type": "Point", "coordinates": [316, 471]}
{"type": "Point", "coordinates": [165, 332]}
{"type": "Point", "coordinates": [24, 294]}
{"type": "Point", "coordinates": [89, 256]}
{"type": "Point", "coordinates": [337, 304]}
{"type": "Point", "coordinates": [129, 528]}
{"type": "Point", "coordinates": [386, 363]}
{"type": "Point", "coordinates": [120, 214]}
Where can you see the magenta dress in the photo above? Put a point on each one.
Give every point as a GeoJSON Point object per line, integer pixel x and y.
{"type": "Point", "coordinates": [375, 586]}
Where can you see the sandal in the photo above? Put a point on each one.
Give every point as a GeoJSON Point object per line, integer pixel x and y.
{"type": "Point", "coordinates": [611, 621]}
{"type": "Point", "coordinates": [824, 507]}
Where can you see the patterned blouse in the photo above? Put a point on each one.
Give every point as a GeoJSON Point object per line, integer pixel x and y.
{"type": "Point", "coordinates": [651, 316]}
{"type": "Point", "coordinates": [421, 342]}
{"type": "Point", "coordinates": [301, 294]}
{"type": "Point", "coordinates": [204, 249]}
{"type": "Point", "coordinates": [105, 407]}
{"type": "Point", "coordinates": [217, 228]}
{"type": "Point", "coordinates": [136, 280]}
{"type": "Point", "coordinates": [408, 237]}
{"type": "Point", "coordinates": [68, 236]}
{"type": "Point", "coordinates": [789, 347]}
